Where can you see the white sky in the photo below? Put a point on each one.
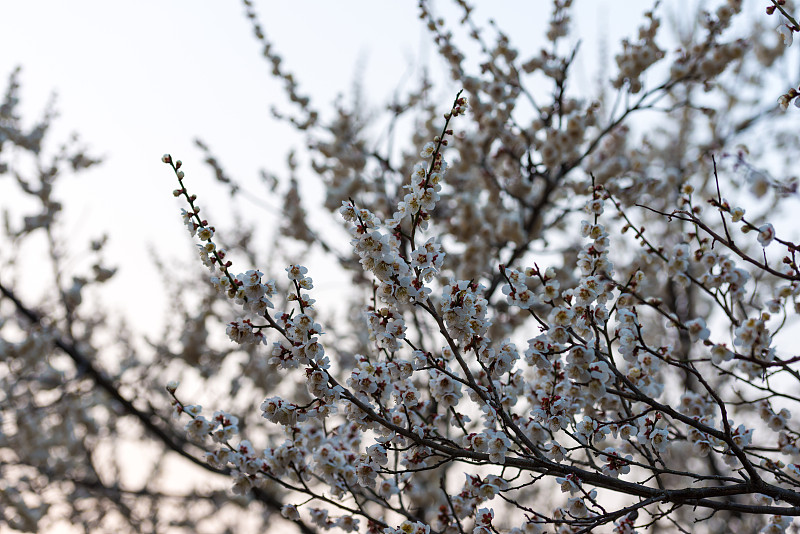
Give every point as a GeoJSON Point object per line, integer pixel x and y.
{"type": "Point", "coordinates": [137, 79]}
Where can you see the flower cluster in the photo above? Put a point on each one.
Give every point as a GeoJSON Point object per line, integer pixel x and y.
{"type": "Point", "coordinates": [464, 311]}
{"type": "Point", "coordinates": [386, 328]}
{"type": "Point", "coordinates": [588, 399]}
{"type": "Point", "coordinates": [380, 254]}
{"type": "Point", "coordinates": [444, 388]}
{"type": "Point", "coordinates": [638, 57]}
{"type": "Point", "coordinates": [409, 527]}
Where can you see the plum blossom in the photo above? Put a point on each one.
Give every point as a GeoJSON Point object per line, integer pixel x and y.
{"type": "Point", "coordinates": [786, 34]}
{"type": "Point", "coordinates": [766, 233]}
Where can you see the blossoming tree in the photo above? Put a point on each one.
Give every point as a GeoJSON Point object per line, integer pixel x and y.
{"type": "Point", "coordinates": [561, 319]}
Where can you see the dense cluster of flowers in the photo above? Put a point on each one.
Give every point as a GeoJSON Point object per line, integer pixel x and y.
{"type": "Point", "coordinates": [593, 380]}
{"type": "Point", "coordinates": [552, 296]}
